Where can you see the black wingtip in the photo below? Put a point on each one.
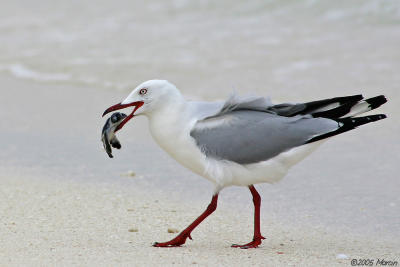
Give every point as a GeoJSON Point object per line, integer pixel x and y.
{"type": "Point", "coordinates": [312, 107]}
{"type": "Point", "coordinates": [377, 101]}
{"type": "Point", "coordinates": [357, 121]}
{"type": "Point", "coordinates": [349, 124]}
{"type": "Point", "coordinates": [382, 116]}
{"type": "Point", "coordinates": [352, 98]}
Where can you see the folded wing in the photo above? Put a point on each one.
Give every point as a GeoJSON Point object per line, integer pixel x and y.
{"type": "Point", "coordinates": [253, 130]}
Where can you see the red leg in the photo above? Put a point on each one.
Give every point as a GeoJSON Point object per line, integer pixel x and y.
{"type": "Point", "coordinates": [257, 238]}
{"type": "Point", "coordinates": [181, 238]}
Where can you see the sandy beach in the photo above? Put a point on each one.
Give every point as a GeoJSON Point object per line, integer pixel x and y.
{"type": "Point", "coordinates": [63, 202]}
{"type": "Point", "coordinates": [47, 223]}
{"type": "Point", "coordinates": [66, 207]}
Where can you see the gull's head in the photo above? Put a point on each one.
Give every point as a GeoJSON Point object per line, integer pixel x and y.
{"type": "Point", "coordinates": [147, 97]}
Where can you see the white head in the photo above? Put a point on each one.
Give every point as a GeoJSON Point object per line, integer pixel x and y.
{"type": "Point", "coordinates": [147, 97]}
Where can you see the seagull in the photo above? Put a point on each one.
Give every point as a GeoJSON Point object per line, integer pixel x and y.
{"type": "Point", "coordinates": [241, 141]}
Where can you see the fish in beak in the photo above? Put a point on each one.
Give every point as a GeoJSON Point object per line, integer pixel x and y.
{"type": "Point", "coordinates": [119, 106]}
{"type": "Point", "coordinates": [108, 136]}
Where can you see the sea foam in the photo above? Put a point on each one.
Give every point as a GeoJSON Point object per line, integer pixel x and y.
{"type": "Point", "coordinates": [21, 71]}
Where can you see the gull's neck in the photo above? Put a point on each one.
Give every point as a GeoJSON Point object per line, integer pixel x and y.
{"type": "Point", "coordinates": [171, 106]}
{"type": "Point", "coordinates": [170, 117]}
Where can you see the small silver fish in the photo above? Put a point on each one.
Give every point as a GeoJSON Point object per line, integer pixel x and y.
{"type": "Point", "coordinates": [108, 133]}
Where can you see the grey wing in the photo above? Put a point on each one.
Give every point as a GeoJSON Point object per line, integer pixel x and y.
{"type": "Point", "coordinates": [249, 136]}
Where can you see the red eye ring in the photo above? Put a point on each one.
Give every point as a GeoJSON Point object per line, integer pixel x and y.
{"type": "Point", "coordinates": [143, 91]}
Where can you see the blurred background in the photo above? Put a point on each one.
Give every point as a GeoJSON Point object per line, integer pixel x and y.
{"type": "Point", "coordinates": [206, 48]}
{"type": "Point", "coordinates": [63, 62]}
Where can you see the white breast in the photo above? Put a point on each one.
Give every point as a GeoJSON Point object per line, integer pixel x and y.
{"type": "Point", "coordinates": [172, 133]}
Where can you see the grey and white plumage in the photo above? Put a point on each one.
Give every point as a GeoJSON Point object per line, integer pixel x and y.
{"type": "Point", "coordinates": [249, 135]}
{"type": "Point", "coordinates": [242, 141]}
{"type": "Point", "coordinates": [253, 130]}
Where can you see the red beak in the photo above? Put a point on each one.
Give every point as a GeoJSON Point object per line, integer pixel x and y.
{"type": "Point", "coordinates": [119, 106]}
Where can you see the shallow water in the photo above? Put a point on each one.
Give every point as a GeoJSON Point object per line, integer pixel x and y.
{"type": "Point", "coordinates": [291, 51]}
{"type": "Point", "coordinates": [285, 49]}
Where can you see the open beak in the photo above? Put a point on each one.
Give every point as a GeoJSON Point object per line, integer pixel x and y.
{"type": "Point", "coordinates": [119, 106]}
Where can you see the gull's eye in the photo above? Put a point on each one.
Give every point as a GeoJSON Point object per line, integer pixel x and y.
{"type": "Point", "coordinates": [143, 91]}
